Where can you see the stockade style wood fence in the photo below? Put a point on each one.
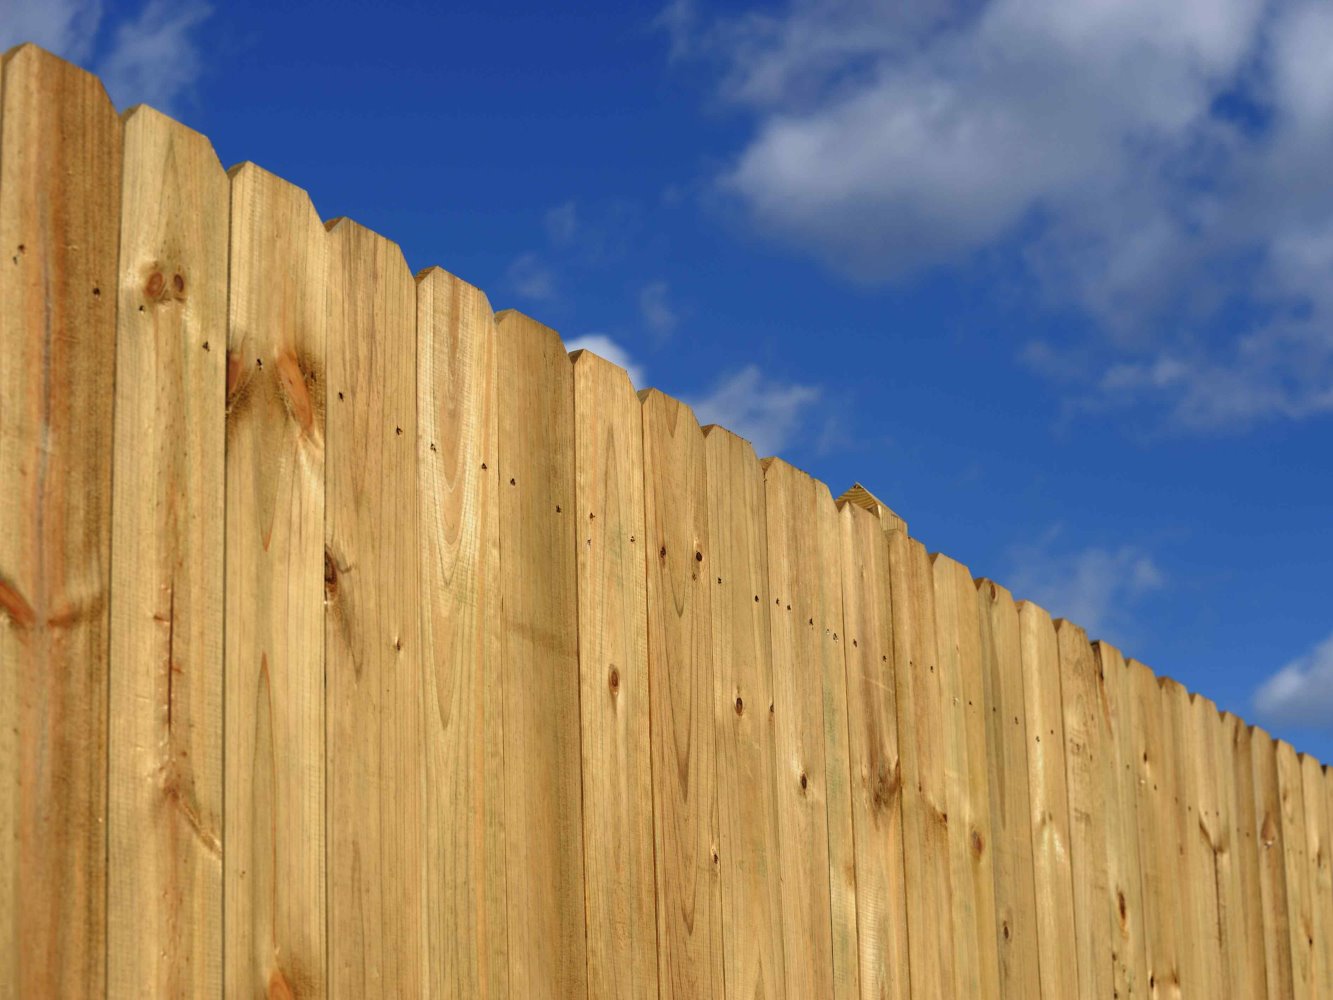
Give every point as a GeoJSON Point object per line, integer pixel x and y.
{"type": "Point", "coordinates": [358, 642]}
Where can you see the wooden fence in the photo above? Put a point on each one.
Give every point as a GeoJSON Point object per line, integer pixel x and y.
{"type": "Point", "coordinates": [358, 642]}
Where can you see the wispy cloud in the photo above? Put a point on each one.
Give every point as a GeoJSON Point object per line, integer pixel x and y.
{"type": "Point", "coordinates": [150, 57]}
{"type": "Point", "coordinates": [562, 223]}
{"type": "Point", "coordinates": [656, 310]}
{"type": "Point", "coordinates": [1161, 167]}
{"type": "Point", "coordinates": [767, 412]}
{"type": "Point", "coordinates": [604, 346]}
{"type": "Point", "coordinates": [531, 278]}
{"type": "Point", "coordinates": [1300, 693]}
{"type": "Point", "coordinates": [1095, 587]}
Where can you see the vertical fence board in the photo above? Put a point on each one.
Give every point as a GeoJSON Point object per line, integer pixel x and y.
{"type": "Point", "coordinates": [1248, 848]}
{"type": "Point", "coordinates": [958, 630]}
{"type": "Point", "coordinates": [1273, 866]}
{"type": "Point", "coordinates": [876, 767]}
{"type": "Point", "coordinates": [613, 679]}
{"type": "Point", "coordinates": [60, 168]}
{"type": "Point", "coordinates": [539, 588]}
{"type": "Point", "coordinates": [746, 726]}
{"type": "Point", "coordinates": [1089, 760]}
{"type": "Point", "coordinates": [1291, 802]}
{"type": "Point", "coordinates": [372, 651]}
{"type": "Point", "coordinates": [1319, 875]}
{"type": "Point", "coordinates": [1130, 956]}
{"type": "Point", "coordinates": [798, 706]}
{"type": "Point", "coordinates": [1049, 808]}
{"type": "Point", "coordinates": [680, 663]}
{"type": "Point", "coordinates": [1158, 851]}
{"type": "Point", "coordinates": [457, 401]}
{"type": "Point", "coordinates": [164, 900]}
{"type": "Point", "coordinates": [822, 582]}
{"type": "Point", "coordinates": [1011, 824]}
{"type": "Point", "coordinates": [274, 864]}
{"type": "Point", "coordinates": [925, 797]}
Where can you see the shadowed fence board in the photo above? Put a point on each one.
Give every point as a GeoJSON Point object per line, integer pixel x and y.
{"type": "Point", "coordinates": [744, 708]}
{"type": "Point", "coordinates": [1090, 775]}
{"type": "Point", "coordinates": [457, 400]}
{"type": "Point", "coordinates": [822, 585]}
{"type": "Point", "coordinates": [876, 768]}
{"type": "Point", "coordinates": [1129, 949]}
{"type": "Point", "coordinates": [1049, 803]}
{"type": "Point", "coordinates": [958, 641]}
{"type": "Point", "coordinates": [1202, 960]}
{"type": "Point", "coordinates": [1253, 981]}
{"type": "Point", "coordinates": [1291, 801]}
{"type": "Point", "coordinates": [274, 863]}
{"type": "Point", "coordinates": [164, 901]}
{"type": "Point", "coordinates": [1158, 849]}
{"type": "Point", "coordinates": [680, 664]}
{"type": "Point", "coordinates": [613, 679]}
{"type": "Point", "coordinates": [60, 168]}
{"type": "Point", "coordinates": [1011, 826]}
{"type": "Point", "coordinates": [1319, 875]}
{"type": "Point", "coordinates": [925, 795]}
{"type": "Point", "coordinates": [539, 587]}
{"type": "Point", "coordinates": [372, 656]}
{"type": "Point", "coordinates": [1273, 866]}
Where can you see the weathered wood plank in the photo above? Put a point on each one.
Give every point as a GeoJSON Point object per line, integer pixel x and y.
{"type": "Point", "coordinates": [539, 588]}
{"type": "Point", "coordinates": [680, 664]}
{"type": "Point", "coordinates": [958, 631]}
{"type": "Point", "coordinates": [1247, 849]}
{"type": "Point", "coordinates": [1320, 877]}
{"type": "Point", "coordinates": [164, 825]}
{"type": "Point", "coordinates": [1011, 825]}
{"type": "Point", "coordinates": [1049, 803]}
{"type": "Point", "coordinates": [876, 767]}
{"type": "Point", "coordinates": [1291, 800]}
{"type": "Point", "coordinates": [1090, 776]}
{"type": "Point", "coordinates": [1272, 839]}
{"type": "Point", "coordinates": [274, 865]}
{"type": "Point", "coordinates": [60, 169]}
{"type": "Point", "coordinates": [613, 679]}
{"type": "Point", "coordinates": [457, 412]}
{"type": "Point", "coordinates": [747, 792]}
{"type": "Point", "coordinates": [372, 652]}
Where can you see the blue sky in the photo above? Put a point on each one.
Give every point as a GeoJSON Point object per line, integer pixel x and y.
{"type": "Point", "coordinates": [1053, 278]}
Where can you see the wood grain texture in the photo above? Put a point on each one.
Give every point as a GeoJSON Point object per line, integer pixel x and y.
{"type": "Point", "coordinates": [743, 705]}
{"type": "Point", "coordinates": [1128, 944]}
{"type": "Point", "coordinates": [1089, 773]}
{"type": "Point", "coordinates": [274, 865]}
{"type": "Point", "coordinates": [876, 766]}
{"type": "Point", "coordinates": [1300, 919]}
{"type": "Point", "coordinates": [60, 168]}
{"type": "Point", "coordinates": [1248, 849]}
{"type": "Point", "coordinates": [1320, 876]}
{"type": "Point", "coordinates": [1011, 825]}
{"type": "Point", "coordinates": [1049, 803]}
{"type": "Point", "coordinates": [539, 588]}
{"type": "Point", "coordinates": [958, 642]}
{"type": "Point", "coordinates": [925, 791]}
{"type": "Point", "coordinates": [807, 909]}
{"type": "Point", "coordinates": [1272, 838]}
{"type": "Point", "coordinates": [463, 702]}
{"type": "Point", "coordinates": [613, 682]}
{"type": "Point", "coordinates": [680, 664]}
{"type": "Point", "coordinates": [164, 899]}
{"type": "Point", "coordinates": [372, 652]}
{"type": "Point", "coordinates": [1159, 852]}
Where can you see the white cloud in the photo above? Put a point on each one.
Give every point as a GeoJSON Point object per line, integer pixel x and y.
{"type": "Point", "coordinates": [1094, 587]}
{"type": "Point", "coordinates": [603, 346]}
{"type": "Point", "coordinates": [656, 311]}
{"type": "Point", "coordinates": [1152, 163]}
{"type": "Point", "coordinates": [1301, 693]}
{"type": "Point", "coordinates": [530, 278]}
{"type": "Point", "coordinates": [765, 412]}
{"type": "Point", "coordinates": [147, 58]}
